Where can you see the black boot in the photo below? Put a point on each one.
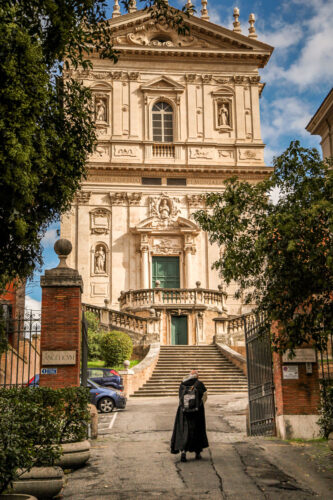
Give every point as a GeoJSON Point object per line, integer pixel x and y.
{"type": "Point", "coordinates": [183, 457]}
{"type": "Point", "coordinates": [198, 456]}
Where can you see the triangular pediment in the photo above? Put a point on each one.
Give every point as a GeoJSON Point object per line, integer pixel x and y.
{"type": "Point", "coordinates": [163, 83]}
{"type": "Point", "coordinates": [138, 29]}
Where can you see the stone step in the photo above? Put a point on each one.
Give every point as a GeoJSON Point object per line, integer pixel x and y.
{"type": "Point", "coordinates": [217, 373]}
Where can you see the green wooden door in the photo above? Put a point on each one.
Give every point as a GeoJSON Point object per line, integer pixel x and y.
{"type": "Point", "coordinates": [166, 270]}
{"type": "Point", "coordinates": [179, 330]}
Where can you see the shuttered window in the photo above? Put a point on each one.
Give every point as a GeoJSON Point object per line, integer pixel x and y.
{"type": "Point", "coordinates": [162, 122]}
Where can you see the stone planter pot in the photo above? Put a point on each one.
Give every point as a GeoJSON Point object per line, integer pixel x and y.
{"type": "Point", "coordinates": [330, 441]}
{"type": "Point", "coordinates": [16, 496]}
{"type": "Point", "coordinates": [74, 455]}
{"type": "Point", "coordinates": [42, 482]}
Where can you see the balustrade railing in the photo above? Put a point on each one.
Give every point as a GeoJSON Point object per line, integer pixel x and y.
{"type": "Point", "coordinates": [163, 150]}
{"type": "Point", "coordinates": [171, 296]}
{"type": "Point", "coordinates": [118, 319]}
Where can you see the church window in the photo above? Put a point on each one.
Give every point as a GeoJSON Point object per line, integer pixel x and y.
{"type": "Point", "coordinates": [176, 181]}
{"type": "Point", "coordinates": [162, 122]}
{"type": "Point", "coordinates": [152, 181]}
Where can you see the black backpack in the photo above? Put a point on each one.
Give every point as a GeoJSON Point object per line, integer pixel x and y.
{"type": "Point", "coordinates": [190, 400]}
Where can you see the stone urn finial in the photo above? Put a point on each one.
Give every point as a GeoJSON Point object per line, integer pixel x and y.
{"type": "Point", "coordinates": [126, 364]}
{"type": "Point", "coordinates": [62, 248]}
{"type": "Point", "coordinates": [198, 284]}
{"type": "Point", "coordinates": [157, 284]}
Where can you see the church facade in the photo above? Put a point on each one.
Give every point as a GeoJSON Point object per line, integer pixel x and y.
{"type": "Point", "coordinates": [176, 116]}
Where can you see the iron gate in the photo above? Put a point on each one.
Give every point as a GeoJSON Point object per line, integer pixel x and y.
{"type": "Point", "coordinates": [20, 356]}
{"type": "Point", "coordinates": [260, 376]}
{"type": "Point", "coordinates": [84, 351]}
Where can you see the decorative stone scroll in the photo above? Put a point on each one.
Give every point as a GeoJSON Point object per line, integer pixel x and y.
{"type": "Point", "coordinates": [101, 153]}
{"type": "Point", "coordinates": [166, 246]}
{"type": "Point", "coordinates": [118, 198]}
{"type": "Point", "coordinates": [126, 151]}
{"type": "Point", "coordinates": [195, 200]}
{"type": "Point", "coordinates": [83, 197]}
{"type": "Point", "coordinates": [134, 198]}
{"type": "Point", "coordinates": [100, 221]}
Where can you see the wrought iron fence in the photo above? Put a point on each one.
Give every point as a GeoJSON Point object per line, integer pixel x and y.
{"type": "Point", "coordinates": [20, 362]}
{"type": "Point", "coordinates": [325, 360]}
{"type": "Point", "coordinates": [260, 376]}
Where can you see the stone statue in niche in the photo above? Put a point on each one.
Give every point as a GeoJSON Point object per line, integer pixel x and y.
{"type": "Point", "coordinates": [223, 114]}
{"type": "Point", "coordinates": [164, 209]}
{"type": "Point", "coordinates": [100, 258]}
{"type": "Point", "coordinates": [100, 110]}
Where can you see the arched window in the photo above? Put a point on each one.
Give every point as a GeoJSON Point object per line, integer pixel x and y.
{"type": "Point", "coordinates": [162, 122]}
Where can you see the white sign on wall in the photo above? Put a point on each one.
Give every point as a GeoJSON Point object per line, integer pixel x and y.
{"type": "Point", "coordinates": [307, 355]}
{"type": "Point", "coordinates": [290, 372]}
{"type": "Point", "coordinates": [59, 358]}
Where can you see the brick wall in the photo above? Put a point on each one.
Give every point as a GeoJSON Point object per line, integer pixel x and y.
{"type": "Point", "coordinates": [296, 397]}
{"type": "Point", "coordinates": [61, 330]}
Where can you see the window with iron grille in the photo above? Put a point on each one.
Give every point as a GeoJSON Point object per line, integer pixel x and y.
{"type": "Point", "coordinates": [162, 122]}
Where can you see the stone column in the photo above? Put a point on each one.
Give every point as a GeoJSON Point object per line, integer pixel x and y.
{"type": "Point", "coordinates": [61, 323]}
{"type": "Point", "coordinates": [145, 267]}
{"type": "Point", "coordinates": [188, 266]}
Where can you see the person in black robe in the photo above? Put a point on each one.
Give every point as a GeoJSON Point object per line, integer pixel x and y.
{"type": "Point", "coordinates": [189, 432]}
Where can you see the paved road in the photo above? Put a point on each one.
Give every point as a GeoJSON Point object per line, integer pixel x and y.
{"type": "Point", "coordinates": [131, 459]}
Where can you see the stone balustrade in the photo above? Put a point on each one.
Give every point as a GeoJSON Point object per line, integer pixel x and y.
{"type": "Point", "coordinates": [164, 297]}
{"type": "Point", "coordinates": [145, 330]}
{"type": "Point", "coordinates": [231, 330]}
{"type": "Point", "coordinates": [164, 150]}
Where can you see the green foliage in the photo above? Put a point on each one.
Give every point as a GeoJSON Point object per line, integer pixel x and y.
{"type": "Point", "coordinates": [280, 255]}
{"type": "Point", "coordinates": [326, 408]}
{"type": "Point", "coordinates": [95, 334]}
{"type": "Point", "coordinates": [116, 347]}
{"type": "Point", "coordinates": [34, 423]}
{"type": "Point", "coordinates": [47, 128]}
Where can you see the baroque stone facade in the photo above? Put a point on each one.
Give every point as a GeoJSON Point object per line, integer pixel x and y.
{"type": "Point", "coordinates": [175, 117]}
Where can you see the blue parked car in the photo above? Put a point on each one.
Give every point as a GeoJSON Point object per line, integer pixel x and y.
{"type": "Point", "coordinates": [107, 377]}
{"type": "Point", "coordinates": [104, 398]}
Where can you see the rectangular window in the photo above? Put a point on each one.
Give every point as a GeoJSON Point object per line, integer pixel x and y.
{"type": "Point", "coordinates": [152, 181]}
{"type": "Point", "coordinates": [176, 181]}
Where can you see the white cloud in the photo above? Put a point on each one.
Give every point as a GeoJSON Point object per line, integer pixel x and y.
{"type": "Point", "coordinates": [49, 238]}
{"type": "Point", "coordinates": [32, 304]}
{"type": "Point", "coordinates": [269, 154]}
{"type": "Point", "coordinates": [288, 115]}
{"type": "Point", "coordinates": [313, 62]}
{"type": "Point", "coordinates": [274, 195]}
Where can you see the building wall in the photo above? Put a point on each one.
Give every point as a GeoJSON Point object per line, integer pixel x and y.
{"type": "Point", "coordinates": [115, 213]}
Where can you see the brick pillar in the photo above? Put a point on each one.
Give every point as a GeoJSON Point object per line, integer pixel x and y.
{"type": "Point", "coordinates": [297, 394]}
{"type": "Point", "coordinates": [61, 323]}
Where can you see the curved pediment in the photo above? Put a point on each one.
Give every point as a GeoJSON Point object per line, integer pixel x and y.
{"type": "Point", "coordinates": [156, 225]}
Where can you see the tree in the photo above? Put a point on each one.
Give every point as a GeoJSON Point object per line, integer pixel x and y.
{"type": "Point", "coordinates": [47, 126]}
{"type": "Point", "coordinates": [280, 255]}
{"type": "Point", "coordinates": [95, 334]}
{"type": "Point", "coordinates": [116, 347]}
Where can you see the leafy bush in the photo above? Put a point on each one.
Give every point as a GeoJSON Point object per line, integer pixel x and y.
{"type": "Point", "coordinates": [116, 347]}
{"type": "Point", "coordinates": [326, 409]}
{"type": "Point", "coordinates": [34, 423]}
{"type": "Point", "coordinates": [95, 334]}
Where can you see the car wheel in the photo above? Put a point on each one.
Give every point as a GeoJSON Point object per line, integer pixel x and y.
{"type": "Point", "coordinates": [106, 405]}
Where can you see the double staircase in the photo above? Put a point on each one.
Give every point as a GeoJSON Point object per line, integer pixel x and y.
{"type": "Point", "coordinates": [175, 362]}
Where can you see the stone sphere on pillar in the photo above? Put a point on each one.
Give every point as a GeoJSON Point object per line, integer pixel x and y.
{"type": "Point", "coordinates": [62, 248]}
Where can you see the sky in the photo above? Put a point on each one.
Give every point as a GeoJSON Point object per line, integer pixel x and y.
{"type": "Point", "coordinates": [298, 77]}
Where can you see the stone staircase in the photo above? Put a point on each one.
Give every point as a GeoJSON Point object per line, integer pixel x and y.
{"type": "Point", "coordinates": [217, 373]}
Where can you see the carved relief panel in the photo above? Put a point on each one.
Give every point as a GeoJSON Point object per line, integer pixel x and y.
{"type": "Point", "coordinates": [100, 221]}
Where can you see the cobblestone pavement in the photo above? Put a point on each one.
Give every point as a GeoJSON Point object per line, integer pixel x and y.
{"type": "Point", "coordinates": [131, 459]}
